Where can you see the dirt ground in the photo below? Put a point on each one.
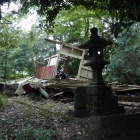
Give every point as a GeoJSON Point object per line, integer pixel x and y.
{"type": "Point", "coordinates": [25, 118]}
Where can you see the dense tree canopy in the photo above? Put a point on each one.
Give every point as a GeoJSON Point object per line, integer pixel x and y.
{"type": "Point", "coordinates": [125, 12]}
{"type": "Point", "coordinates": [122, 9]}
{"type": "Point", "coordinates": [73, 25]}
{"type": "Point", "coordinates": [125, 9]}
{"type": "Point", "coordinates": [125, 59]}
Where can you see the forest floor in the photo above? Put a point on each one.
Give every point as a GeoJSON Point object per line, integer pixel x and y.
{"type": "Point", "coordinates": [27, 119]}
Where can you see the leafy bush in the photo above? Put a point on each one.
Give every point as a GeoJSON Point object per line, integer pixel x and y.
{"type": "Point", "coordinates": [32, 134]}
{"type": "Point", "coordinates": [3, 101]}
{"type": "Point", "coordinates": [26, 132]}
{"type": "Point", "coordinates": [125, 62]}
{"type": "Point", "coordinates": [5, 129]}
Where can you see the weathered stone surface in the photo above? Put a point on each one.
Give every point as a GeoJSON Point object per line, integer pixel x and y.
{"type": "Point", "coordinates": [98, 90]}
{"type": "Point", "coordinates": [120, 127]}
{"type": "Point", "coordinates": [80, 102]}
{"type": "Point", "coordinates": [101, 111]}
{"type": "Point", "coordinates": [80, 99]}
{"type": "Point", "coordinates": [103, 101]}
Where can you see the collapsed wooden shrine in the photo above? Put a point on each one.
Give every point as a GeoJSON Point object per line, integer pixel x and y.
{"type": "Point", "coordinates": [69, 51]}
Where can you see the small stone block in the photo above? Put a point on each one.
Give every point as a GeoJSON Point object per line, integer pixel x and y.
{"type": "Point", "coordinates": [80, 99]}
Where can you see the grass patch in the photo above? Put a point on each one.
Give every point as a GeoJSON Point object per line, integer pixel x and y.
{"type": "Point", "coordinates": [3, 101]}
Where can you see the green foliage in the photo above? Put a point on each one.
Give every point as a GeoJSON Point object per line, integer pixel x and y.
{"type": "Point", "coordinates": [6, 130]}
{"type": "Point", "coordinates": [74, 25]}
{"type": "Point", "coordinates": [32, 134]}
{"type": "Point", "coordinates": [42, 134]}
{"type": "Point", "coordinates": [73, 67]}
{"type": "Point", "coordinates": [121, 9]}
{"type": "Point", "coordinates": [3, 101]}
{"type": "Point", "coordinates": [9, 40]}
{"type": "Point", "coordinates": [25, 133]}
{"type": "Point", "coordinates": [125, 61]}
{"type": "Point", "coordinates": [19, 61]}
{"type": "Point", "coordinates": [9, 36]}
{"type": "Point", "coordinates": [21, 64]}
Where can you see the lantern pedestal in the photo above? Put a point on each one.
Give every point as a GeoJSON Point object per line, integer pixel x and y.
{"type": "Point", "coordinates": [101, 101]}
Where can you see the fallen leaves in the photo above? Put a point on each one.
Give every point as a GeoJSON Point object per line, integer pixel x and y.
{"type": "Point", "coordinates": [24, 113]}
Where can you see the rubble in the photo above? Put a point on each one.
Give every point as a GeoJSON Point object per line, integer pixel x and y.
{"type": "Point", "coordinates": [57, 89]}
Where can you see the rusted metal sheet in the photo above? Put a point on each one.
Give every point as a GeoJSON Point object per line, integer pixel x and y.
{"type": "Point", "coordinates": [46, 72]}
{"type": "Point", "coordinates": [40, 72]}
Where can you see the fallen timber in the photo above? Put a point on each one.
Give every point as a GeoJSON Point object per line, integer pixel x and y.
{"type": "Point", "coordinates": [128, 96]}
{"type": "Point", "coordinates": [128, 91]}
{"type": "Point", "coordinates": [58, 87]}
{"type": "Point", "coordinates": [66, 83]}
{"type": "Point", "coordinates": [129, 99]}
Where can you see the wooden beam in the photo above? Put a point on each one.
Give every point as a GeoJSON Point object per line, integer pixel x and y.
{"type": "Point", "coordinates": [127, 91]}
{"type": "Point", "coordinates": [63, 44]}
{"type": "Point", "coordinates": [129, 99]}
{"type": "Point", "coordinates": [51, 57]}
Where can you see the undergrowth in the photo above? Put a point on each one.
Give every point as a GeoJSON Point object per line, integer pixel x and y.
{"type": "Point", "coordinates": [3, 101]}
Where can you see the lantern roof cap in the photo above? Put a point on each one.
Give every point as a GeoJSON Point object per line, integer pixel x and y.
{"type": "Point", "coordinates": [95, 41]}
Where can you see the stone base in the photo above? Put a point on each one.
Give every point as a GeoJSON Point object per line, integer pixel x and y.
{"type": "Point", "coordinates": [121, 127]}
{"type": "Point", "coordinates": [98, 90]}
{"type": "Point", "coordinates": [102, 101]}
{"type": "Point", "coordinates": [82, 113]}
{"type": "Point", "coordinates": [102, 111]}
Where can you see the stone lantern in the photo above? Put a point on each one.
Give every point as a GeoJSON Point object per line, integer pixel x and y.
{"type": "Point", "coordinates": [97, 97]}
{"type": "Point", "coordinates": [95, 47]}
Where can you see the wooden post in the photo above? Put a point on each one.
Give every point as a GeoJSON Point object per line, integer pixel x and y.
{"type": "Point", "coordinates": [81, 64]}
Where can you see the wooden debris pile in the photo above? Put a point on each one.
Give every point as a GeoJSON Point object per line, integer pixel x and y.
{"type": "Point", "coordinates": [57, 89]}
{"type": "Point", "coordinates": [128, 96]}
{"type": "Point", "coordinates": [61, 89]}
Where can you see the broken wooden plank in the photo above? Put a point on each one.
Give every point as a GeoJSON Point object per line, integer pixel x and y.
{"type": "Point", "coordinates": [129, 99]}
{"type": "Point", "coordinates": [127, 91]}
{"type": "Point", "coordinates": [63, 43]}
{"type": "Point", "coordinates": [65, 86]}
{"type": "Point", "coordinates": [57, 94]}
